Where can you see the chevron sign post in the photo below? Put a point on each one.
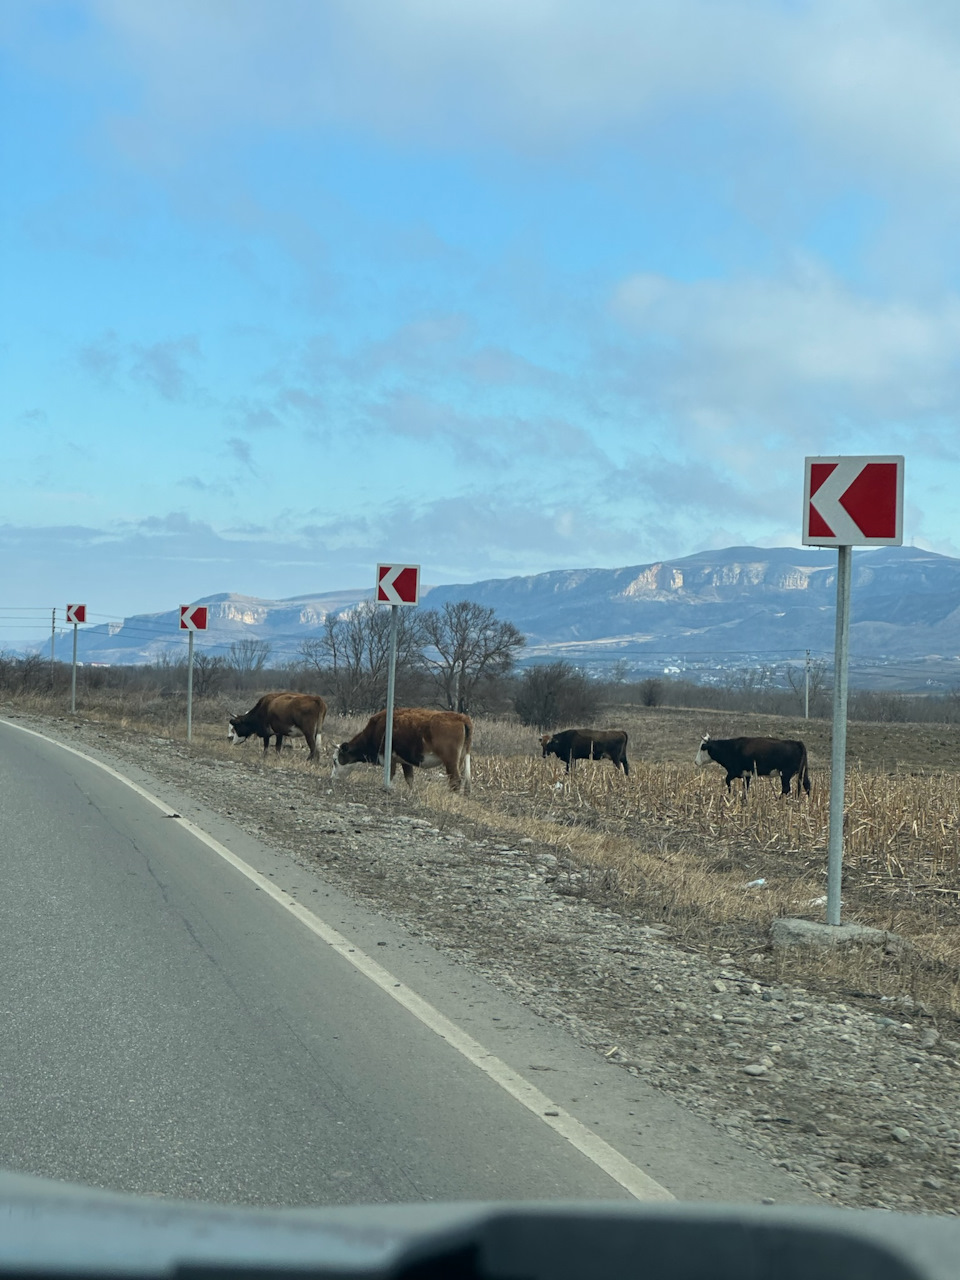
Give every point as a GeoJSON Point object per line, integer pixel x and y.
{"type": "Point", "coordinates": [397, 584]}
{"type": "Point", "coordinates": [193, 617]}
{"type": "Point", "coordinates": [853, 502]}
{"type": "Point", "coordinates": [847, 503]}
{"type": "Point", "coordinates": [75, 613]}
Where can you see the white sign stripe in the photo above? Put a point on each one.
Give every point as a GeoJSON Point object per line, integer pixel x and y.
{"type": "Point", "coordinates": [827, 500]}
{"type": "Point", "coordinates": [387, 584]}
{"type": "Point", "coordinates": [621, 1170]}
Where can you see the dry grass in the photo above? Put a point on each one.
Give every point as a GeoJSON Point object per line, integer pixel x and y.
{"type": "Point", "coordinates": [667, 843]}
{"type": "Point", "coordinates": [670, 844]}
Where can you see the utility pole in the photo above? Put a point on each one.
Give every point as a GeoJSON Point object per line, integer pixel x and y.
{"type": "Point", "coordinates": [53, 641]}
{"type": "Point", "coordinates": [806, 687]}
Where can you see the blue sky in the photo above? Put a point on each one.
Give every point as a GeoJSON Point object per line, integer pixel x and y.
{"type": "Point", "coordinates": [290, 288]}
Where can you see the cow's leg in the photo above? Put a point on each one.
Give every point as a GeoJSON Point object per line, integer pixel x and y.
{"type": "Point", "coordinates": [266, 742]}
{"type": "Point", "coordinates": [785, 783]}
{"type": "Point", "coordinates": [407, 773]}
{"type": "Point", "coordinates": [625, 765]}
{"type": "Point", "coordinates": [279, 743]}
{"type": "Point", "coordinates": [311, 743]}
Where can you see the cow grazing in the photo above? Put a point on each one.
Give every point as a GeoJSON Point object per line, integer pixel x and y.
{"type": "Point", "coordinates": [588, 744]}
{"type": "Point", "coordinates": [744, 757]}
{"type": "Point", "coordinates": [282, 715]}
{"type": "Point", "coordinates": [422, 739]}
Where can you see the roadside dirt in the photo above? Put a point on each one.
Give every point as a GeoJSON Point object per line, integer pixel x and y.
{"type": "Point", "coordinates": [859, 1100]}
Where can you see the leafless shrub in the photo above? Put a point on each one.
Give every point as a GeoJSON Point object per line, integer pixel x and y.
{"type": "Point", "coordinates": [555, 693]}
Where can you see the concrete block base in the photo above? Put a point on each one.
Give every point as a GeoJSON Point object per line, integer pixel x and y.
{"type": "Point", "coordinates": [786, 932]}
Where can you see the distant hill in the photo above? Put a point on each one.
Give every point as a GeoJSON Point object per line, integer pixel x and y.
{"type": "Point", "coordinates": [743, 600]}
{"type": "Point", "coordinates": [145, 637]}
{"type": "Point", "coordinates": [718, 608]}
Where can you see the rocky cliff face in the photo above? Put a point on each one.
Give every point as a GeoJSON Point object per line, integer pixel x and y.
{"type": "Point", "coordinates": [747, 601]}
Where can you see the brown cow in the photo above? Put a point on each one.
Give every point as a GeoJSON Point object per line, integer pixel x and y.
{"type": "Point", "coordinates": [422, 739]}
{"type": "Point", "coordinates": [282, 715]}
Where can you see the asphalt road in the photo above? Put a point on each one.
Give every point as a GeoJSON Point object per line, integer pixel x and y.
{"type": "Point", "coordinates": [170, 1028]}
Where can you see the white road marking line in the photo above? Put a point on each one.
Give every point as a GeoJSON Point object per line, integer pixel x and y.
{"type": "Point", "coordinates": [639, 1184]}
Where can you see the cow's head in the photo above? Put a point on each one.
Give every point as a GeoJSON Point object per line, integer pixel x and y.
{"type": "Point", "coordinates": [546, 742]}
{"type": "Point", "coordinates": [703, 755]}
{"type": "Point", "coordinates": [345, 760]}
{"type": "Point", "coordinates": [238, 731]}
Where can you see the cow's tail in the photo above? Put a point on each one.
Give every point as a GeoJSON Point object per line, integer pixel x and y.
{"type": "Point", "coordinates": [465, 753]}
{"type": "Point", "coordinates": [803, 777]}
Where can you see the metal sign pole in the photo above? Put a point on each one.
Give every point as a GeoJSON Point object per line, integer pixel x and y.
{"type": "Point", "coordinates": [73, 676]}
{"type": "Point", "coordinates": [189, 686]}
{"type": "Point", "coordinates": [838, 752]}
{"type": "Point", "coordinates": [391, 687]}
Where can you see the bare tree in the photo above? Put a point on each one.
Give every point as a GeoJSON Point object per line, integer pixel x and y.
{"type": "Point", "coordinates": [246, 658]}
{"type": "Point", "coordinates": [208, 673]}
{"type": "Point", "coordinates": [353, 650]}
{"type": "Point", "coordinates": [465, 645]}
{"type": "Point", "coordinates": [818, 674]}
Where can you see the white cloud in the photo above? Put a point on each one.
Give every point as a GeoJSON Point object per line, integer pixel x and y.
{"type": "Point", "coordinates": [873, 81]}
{"type": "Point", "coordinates": [787, 351]}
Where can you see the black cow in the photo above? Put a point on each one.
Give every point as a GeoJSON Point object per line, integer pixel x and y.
{"type": "Point", "coordinates": [588, 744]}
{"type": "Point", "coordinates": [744, 757]}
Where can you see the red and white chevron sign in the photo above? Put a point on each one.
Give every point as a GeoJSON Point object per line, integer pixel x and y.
{"type": "Point", "coordinates": [853, 502]}
{"type": "Point", "coordinates": [398, 583]}
{"type": "Point", "coordinates": [76, 613]}
{"type": "Point", "coordinates": [193, 617]}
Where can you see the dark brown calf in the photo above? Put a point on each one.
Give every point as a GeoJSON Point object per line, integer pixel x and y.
{"type": "Point", "coordinates": [588, 744]}
{"type": "Point", "coordinates": [744, 757]}
{"type": "Point", "coordinates": [282, 715]}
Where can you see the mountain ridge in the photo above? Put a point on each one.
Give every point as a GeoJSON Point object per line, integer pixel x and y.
{"type": "Point", "coordinates": [746, 603]}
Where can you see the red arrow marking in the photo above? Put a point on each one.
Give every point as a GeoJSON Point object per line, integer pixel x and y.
{"type": "Point", "coordinates": [871, 501]}
{"type": "Point", "coordinates": [818, 473]}
{"type": "Point", "coordinates": [405, 583]}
